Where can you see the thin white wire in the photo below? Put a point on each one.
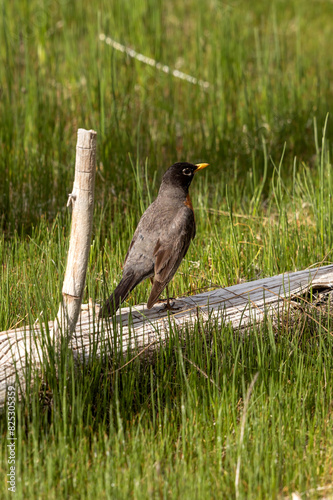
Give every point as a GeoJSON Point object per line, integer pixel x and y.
{"type": "Point", "coordinates": [151, 62]}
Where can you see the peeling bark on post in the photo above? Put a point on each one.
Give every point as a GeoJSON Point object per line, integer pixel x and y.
{"type": "Point", "coordinates": [82, 201]}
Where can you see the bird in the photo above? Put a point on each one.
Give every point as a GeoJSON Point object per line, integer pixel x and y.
{"type": "Point", "coordinates": [161, 239]}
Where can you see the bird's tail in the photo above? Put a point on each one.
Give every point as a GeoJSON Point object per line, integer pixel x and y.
{"type": "Point", "coordinates": [118, 296]}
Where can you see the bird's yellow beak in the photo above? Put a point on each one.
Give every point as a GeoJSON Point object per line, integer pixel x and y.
{"type": "Point", "coordinates": [200, 166]}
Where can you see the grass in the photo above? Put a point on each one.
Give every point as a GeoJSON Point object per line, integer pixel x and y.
{"type": "Point", "coordinates": [177, 425]}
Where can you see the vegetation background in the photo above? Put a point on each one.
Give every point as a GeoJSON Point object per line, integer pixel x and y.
{"type": "Point", "coordinates": [179, 426]}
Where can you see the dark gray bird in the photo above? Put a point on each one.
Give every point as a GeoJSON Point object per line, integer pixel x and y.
{"type": "Point", "coordinates": [161, 239]}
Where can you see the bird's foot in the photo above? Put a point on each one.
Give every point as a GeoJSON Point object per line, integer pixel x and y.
{"type": "Point", "coordinates": [168, 305]}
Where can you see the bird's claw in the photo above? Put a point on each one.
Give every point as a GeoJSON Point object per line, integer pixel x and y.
{"type": "Point", "coordinates": [169, 306]}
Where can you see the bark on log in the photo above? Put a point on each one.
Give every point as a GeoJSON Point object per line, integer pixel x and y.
{"type": "Point", "coordinates": [137, 329]}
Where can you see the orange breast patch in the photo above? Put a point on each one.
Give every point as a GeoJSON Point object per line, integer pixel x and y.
{"type": "Point", "coordinates": [188, 202]}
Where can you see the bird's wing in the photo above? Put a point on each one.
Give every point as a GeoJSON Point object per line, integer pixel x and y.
{"type": "Point", "coordinates": [143, 233]}
{"type": "Point", "coordinates": [169, 252]}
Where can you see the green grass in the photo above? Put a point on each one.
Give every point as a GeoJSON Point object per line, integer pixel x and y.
{"type": "Point", "coordinates": [171, 427]}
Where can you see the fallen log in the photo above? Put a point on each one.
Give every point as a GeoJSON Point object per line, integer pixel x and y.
{"type": "Point", "coordinates": [138, 329]}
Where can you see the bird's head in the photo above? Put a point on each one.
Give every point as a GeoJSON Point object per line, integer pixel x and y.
{"type": "Point", "coordinates": [180, 174]}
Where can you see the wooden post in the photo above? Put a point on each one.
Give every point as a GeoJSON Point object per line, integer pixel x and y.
{"type": "Point", "coordinates": [82, 201]}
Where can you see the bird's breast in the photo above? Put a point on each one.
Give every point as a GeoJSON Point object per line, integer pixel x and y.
{"type": "Point", "coordinates": [188, 202]}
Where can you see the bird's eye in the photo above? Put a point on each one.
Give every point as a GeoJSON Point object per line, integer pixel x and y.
{"type": "Point", "coordinates": [187, 171]}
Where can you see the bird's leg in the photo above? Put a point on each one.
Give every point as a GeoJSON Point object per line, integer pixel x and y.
{"type": "Point", "coordinates": [168, 306]}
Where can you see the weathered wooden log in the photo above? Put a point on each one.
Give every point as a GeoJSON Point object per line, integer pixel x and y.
{"type": "Point", "coordinates": [138, 329]}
